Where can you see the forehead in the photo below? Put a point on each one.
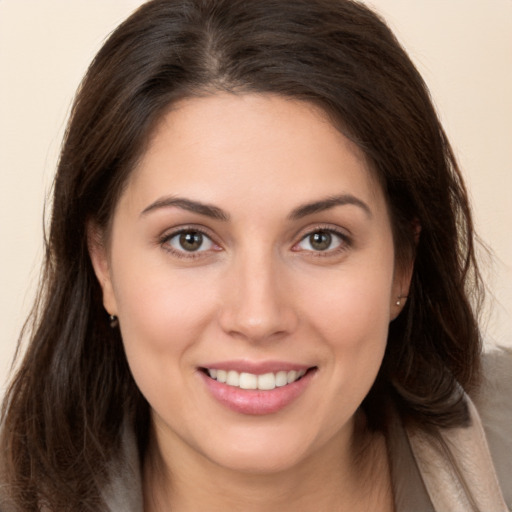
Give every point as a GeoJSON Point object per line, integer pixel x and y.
{"type": "Point", "coordinates": [222, 145]}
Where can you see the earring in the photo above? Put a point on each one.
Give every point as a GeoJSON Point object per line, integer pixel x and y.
{"type": "Point", "coordinates": [114, 322]}
{"type": "Point", "coordinates": [398, 302]}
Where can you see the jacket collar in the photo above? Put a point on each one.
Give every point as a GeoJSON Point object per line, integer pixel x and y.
{"type": "Point", "coordinates": [456, 467]}
{"type": "Point", "coordinates": [452, 471]}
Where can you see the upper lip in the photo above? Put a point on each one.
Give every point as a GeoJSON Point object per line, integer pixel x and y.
{"type": "Point", "coordinates": [256, 367]}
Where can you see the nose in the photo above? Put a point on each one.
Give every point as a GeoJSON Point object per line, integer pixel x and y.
{"type": "Point", "coordinates": [257, 303]}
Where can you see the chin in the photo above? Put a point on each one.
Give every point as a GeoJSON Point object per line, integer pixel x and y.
{"type": "Point", "coordinates": [264, 451]}
{"type": "Point", "coordinates": [262, 461]}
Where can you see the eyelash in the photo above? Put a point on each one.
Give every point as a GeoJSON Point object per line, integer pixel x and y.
{"type": "Point", "coordinates": [165, 239]}
{"type": "Point", "coordinates": [345, 243]}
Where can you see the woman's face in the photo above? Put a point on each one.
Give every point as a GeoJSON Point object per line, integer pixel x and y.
{"type": "Point", "coordinates": [251, 244]}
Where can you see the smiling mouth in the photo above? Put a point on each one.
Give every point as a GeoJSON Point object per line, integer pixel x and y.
{"type": "Point", "coordinates": [251, 381]}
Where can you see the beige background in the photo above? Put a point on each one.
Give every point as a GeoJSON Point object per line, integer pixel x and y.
{"type": "Point", "coordinates": [462, 47]}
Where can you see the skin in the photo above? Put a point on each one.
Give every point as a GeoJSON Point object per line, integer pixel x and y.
{"type": "Point", "coordinates": [257, 289]}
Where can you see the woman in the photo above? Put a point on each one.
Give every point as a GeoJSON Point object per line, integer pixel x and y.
{"type": "Point", "coordinates": [257, 280]}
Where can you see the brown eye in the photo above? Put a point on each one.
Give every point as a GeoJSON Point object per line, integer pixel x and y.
{"type": "Point", "coordinates": [320, 241]}
{"type": "Point", "coordinates": [191, 240]}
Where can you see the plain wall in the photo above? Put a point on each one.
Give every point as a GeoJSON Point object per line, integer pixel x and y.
{"type": "Point", "coordinates": [463, 48]}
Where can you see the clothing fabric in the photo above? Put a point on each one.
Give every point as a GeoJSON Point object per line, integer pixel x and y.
{"type": "Point", "coordinates": [472, 461]}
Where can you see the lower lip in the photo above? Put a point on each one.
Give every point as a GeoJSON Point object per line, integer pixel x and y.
{"type": "Point", "coordinates": [254, 401]}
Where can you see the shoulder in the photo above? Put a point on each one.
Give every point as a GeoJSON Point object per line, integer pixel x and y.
{"type": "Point", "coordinates": [493, 401]}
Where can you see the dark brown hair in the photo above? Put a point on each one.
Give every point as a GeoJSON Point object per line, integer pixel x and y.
{"type": "Point", "coordinates": [63, 413]}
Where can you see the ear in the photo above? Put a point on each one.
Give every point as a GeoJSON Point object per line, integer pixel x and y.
{"type": "Point", "coordinates": [403, 276]}
{"type": "Point", "coordinates": [400, 289]}
{"type": "Point", "coordinates": [98, 252]}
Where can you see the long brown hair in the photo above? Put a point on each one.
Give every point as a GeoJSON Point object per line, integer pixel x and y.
{"type": "Point", "coordinates": [63, 413]}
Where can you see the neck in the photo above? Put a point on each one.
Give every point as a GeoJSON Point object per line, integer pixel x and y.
{"type": "Point", "coordinates": [352, 477]}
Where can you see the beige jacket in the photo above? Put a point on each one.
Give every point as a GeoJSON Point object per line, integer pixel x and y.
{"type": "Point", "coordinates": [424, 479]}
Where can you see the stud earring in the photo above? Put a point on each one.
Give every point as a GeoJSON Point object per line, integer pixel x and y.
{"type": "Point", "coordinates": [398, 302]}
{"type": "Point", "coordinates": [114, 322]}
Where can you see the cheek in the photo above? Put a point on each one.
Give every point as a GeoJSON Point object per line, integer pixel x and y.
{"type": "Point", "coordinates": [356, 330]}
{"type": "Point", "coordinates": [351, 313]}
{"type": "Point", "coordinates": [162, 315]}
{"type": "Point", "coordinates": [353, 308]}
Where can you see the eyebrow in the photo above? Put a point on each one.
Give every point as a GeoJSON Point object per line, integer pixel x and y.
{"type": "Point", "coordinates": [217, 213]}
{"type": "Point", "coordinates": [327, 204]}
{"type": "Point", "coordinates": [187, 204]}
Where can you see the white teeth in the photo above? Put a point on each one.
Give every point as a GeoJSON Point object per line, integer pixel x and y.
{"type": "Point", "coordinates": [248, 381]}
{"type": "Point", "coordinates": [292, 376]}
{"type": "Point", "coordinates": [281, 379]}
{"type": "Point", "coordinates": [264, 382]}
{"type": "Point", "coordinates": [233, 378]}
